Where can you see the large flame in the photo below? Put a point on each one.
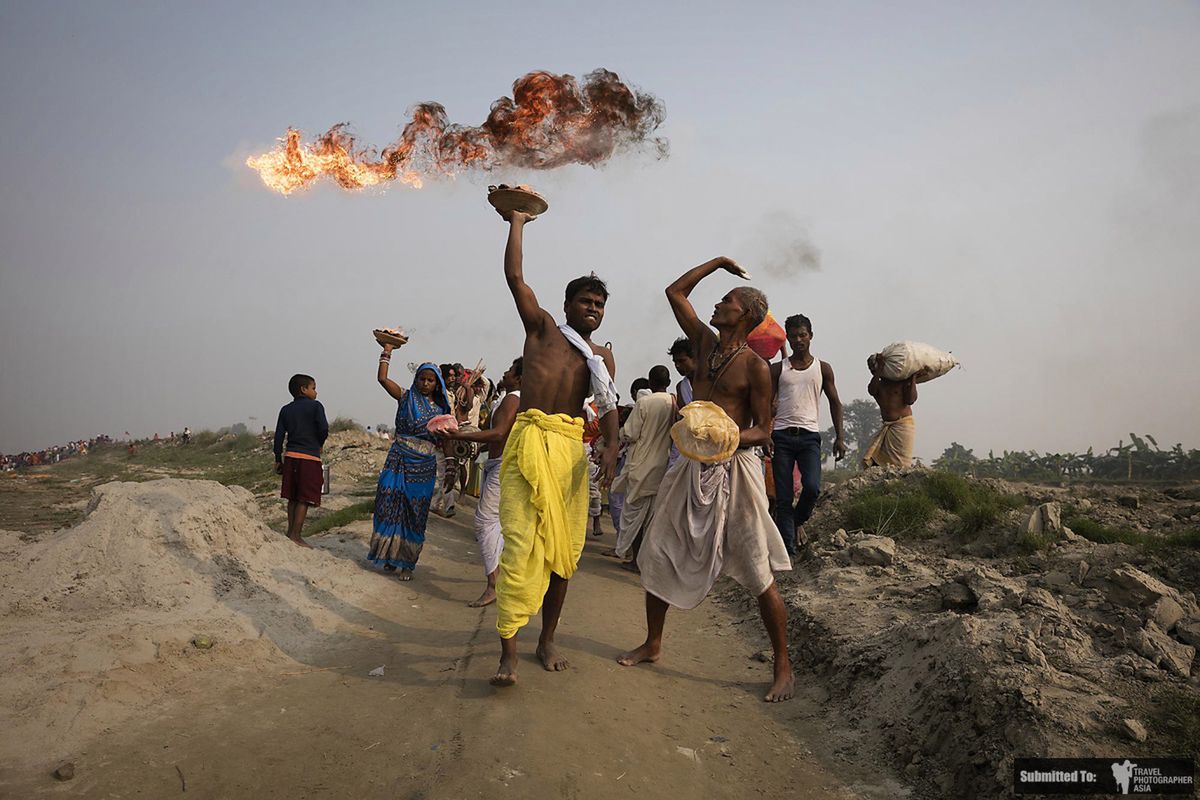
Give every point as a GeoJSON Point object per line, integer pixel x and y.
{"type": "Point", "coordinates": [550, 120]}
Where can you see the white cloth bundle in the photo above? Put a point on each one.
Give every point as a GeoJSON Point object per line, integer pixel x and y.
{"type": "Point", "coordinates": [902, 360]}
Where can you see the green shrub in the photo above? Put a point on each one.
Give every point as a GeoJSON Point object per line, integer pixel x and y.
{"type": "Point", "coordinates": [1101, 534]}
{"type": "Point", "coordinates": [948, 490]}
{"type": "Point", "coordinates": [1177, 712]}
{"type": "Point", "coordinates": [343, 516]}
{"type": "Point", "coordinates": [985, 511]}
{"type": "Point", "coordinates": [241, 443]}
{"type": "Point", "coordinates": [340, 424]}
{"type": "Point", "coordinates": [1095, 532]}
{"type": "Point", "coordinates": [1185, 539]}
{"type": "Point", "coordinates": [204, 438]}
{"type": "Point", "coordinates": [978, 517]}
{"type": "Point", "coordinates": [897, 513]}
{"type": "Point", "coordinates": [1030, 543]}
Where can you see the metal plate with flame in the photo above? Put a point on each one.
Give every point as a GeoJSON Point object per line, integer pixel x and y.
{"type": "Point", "coordinates": [517, 198]}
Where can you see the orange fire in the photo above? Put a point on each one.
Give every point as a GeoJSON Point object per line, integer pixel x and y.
{"type": "Point", "coordinates": [551, 120]}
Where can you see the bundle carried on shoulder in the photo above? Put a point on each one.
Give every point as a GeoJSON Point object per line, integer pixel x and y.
{"type": "Point", "coordinates": [900, 361]}
{"type": "Point", "coordinates": [706, 433]}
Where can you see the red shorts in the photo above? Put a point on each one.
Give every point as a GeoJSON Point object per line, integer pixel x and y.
{"type": "Point", "coordinates": [302, 480]}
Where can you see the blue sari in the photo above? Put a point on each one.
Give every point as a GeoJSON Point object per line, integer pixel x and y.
{"type": "Point", "coordinates": [407, 480]}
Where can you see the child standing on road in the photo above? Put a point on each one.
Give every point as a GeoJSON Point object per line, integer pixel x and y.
{"type": "Point", "coordinates": [303, 423]}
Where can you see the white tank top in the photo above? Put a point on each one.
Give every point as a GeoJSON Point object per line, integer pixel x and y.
{"type": "Point", "coordinates": [796, 402]}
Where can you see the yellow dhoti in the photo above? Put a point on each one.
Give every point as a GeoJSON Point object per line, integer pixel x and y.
{"type": "Point", "coordinates": [543, 512]}
{"type": "Point", "coordinates": [893, 445]}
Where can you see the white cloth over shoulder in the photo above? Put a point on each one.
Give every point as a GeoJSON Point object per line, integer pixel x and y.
{"type": "Point", "coordinates": [603, 389]}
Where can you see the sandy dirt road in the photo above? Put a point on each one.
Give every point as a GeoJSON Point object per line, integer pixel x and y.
{"type": "Point", "coordinates": [432, 727]}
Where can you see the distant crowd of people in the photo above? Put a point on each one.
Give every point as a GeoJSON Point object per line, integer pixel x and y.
{"type": "Point", "coordinates": [11, 462]}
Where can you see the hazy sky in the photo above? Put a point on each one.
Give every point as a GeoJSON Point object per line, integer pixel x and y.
{"type": "Point", "coordinates": [1016, 182]}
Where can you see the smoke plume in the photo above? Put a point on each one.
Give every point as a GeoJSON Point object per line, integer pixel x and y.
{"type": "Point", "coordinates": [783, 245]}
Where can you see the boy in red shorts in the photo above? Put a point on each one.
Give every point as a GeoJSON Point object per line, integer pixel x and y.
{"type": "Point", "coordinates": [303, 422]}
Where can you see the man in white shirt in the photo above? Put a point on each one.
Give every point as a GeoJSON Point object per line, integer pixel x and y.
{"type": "Point", "coordinates": [648, 430]}
{"type": "Point", "coordinates": [799, 382]}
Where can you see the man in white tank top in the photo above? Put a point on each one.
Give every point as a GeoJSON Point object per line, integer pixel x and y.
{"type": "Point", "coordinates": [796, 435]}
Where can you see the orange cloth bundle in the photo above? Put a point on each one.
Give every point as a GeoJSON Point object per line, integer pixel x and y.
{"type": "Point", "coordinates": [767, 338]}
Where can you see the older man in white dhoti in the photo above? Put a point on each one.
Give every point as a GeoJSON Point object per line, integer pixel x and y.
{"type": "Point", "coordinates": [711, 516]}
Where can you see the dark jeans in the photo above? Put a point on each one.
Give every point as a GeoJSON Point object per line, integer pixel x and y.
{"type": "Point", "coordinates": [795, 448]}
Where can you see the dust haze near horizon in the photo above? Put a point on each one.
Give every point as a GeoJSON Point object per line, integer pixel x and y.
{"type": "Point", "coordinates": [1016, 183]}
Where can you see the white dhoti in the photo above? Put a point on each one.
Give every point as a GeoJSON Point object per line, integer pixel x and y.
{"type": "Point", "coordinates": [594, 498]}
{"type": "Point", "coordinates": [635, 516]}
{"type": "Point", "coordinates": [711, 520]}
{"type": "Point", "coordinates": [487, 517]}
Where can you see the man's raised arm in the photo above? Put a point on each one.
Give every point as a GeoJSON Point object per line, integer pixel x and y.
{"type": "Point", "coordinates": [677, 294]}
{"type": "Point", "coordinates": [533, 317]}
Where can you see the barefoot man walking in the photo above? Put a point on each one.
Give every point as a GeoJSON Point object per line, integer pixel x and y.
{"type": "Point", "coordinates": [712, 519]}
{"type": "Point", "coordinates": [544, 473]}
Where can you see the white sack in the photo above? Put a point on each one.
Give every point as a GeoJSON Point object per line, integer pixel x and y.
{"type": "Point", "coordinates": [902, 360]}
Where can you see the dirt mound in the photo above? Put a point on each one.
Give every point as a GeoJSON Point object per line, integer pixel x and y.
{"type": "Point", "coordinates": [160, 580]}
{"type": "Point", "coordinates": [355, 456]}
{"type": "Point", "coordinates": [949, 663]}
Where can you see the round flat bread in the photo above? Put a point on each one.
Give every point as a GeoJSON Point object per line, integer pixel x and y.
{"type": "Point", "coordinates": [517, 198]}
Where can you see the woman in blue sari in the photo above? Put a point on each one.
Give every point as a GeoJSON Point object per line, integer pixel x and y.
{"type": "Point", "coordinates": [406, 483]}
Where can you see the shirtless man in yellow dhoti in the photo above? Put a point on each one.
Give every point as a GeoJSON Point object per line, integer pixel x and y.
{"type": "Point", "coordinates": [544, 472]}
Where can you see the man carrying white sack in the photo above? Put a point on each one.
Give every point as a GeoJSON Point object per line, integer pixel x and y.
{"type": "Point", "coordinates": [711, 516]}
{"type": "Point", "coordinates": [895, 372]}
{"type": "Point", "coordinates": [893, 445]}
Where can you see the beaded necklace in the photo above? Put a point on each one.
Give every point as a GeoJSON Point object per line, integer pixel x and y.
{"type": "Point", "coordinates": [715, 367]}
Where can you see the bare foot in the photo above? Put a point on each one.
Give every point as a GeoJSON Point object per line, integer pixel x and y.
{"type": "Point", "coordinates": [610, 552]}
{"type": "Point", "coordinates": [405, 574]}
{"type": "Point", "coordinates": [646, 652]}
{"type": "Point", "coordinates": [299, 541]}
{"type": "Point", "coordinates": [506, 673]}
{"type": "Point", "coordinates": [631, 566]}
{"type": "Point", "coordinates": [783, 687]}
{"type": "Point", "coordinates": [486, 599]}
{"type": "Point", "coordinates": [548, 654]}
{"type": "Point", "coordinates": [389, 567]}
{"type": "Point", "coordinates": [596, 529]}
